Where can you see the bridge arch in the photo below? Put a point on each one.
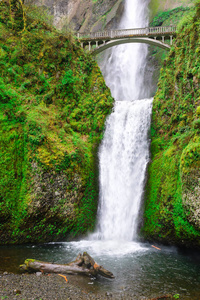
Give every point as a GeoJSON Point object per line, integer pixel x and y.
{"type": "Point", "coordinates": [113, 43]}
{"type": "Point", "coordinates": [102, 40]}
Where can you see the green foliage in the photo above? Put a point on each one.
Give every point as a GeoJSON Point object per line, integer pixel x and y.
{"type": "Point", "coordinates": [68, 80]}
{"type": "Point", "coordinates": [173, 16]}
{"type": "Point", "coordinates": [167, 18]}
{"type": "Point", "coordinates": [53, 104]}
{"type": "Point", "coordinates": [87, 208]}
{"type": "Point", "coordinates": [175, 147]}
{"type": "Point", "coordinates": [186, 19]}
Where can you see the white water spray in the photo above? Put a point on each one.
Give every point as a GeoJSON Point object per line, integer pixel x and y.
{"type": "Point", "coordinates": [124, 152]}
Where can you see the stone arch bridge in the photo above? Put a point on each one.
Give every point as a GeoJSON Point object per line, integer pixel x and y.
{"type": "Point", "coordinates": [97, 42]}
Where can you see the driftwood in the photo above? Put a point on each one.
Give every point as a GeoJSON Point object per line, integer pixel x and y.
{"type": "Point", "coordinates": [83, 264]}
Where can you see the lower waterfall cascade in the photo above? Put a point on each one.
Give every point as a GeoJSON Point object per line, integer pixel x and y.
{"type": "Point", "coordinates": [123, 156]}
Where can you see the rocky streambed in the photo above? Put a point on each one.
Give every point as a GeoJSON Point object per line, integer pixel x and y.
{"type": "Point", "coordinates": [53, 287]}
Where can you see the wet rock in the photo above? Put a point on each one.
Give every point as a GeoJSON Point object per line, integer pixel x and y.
{"type": "Point", "coordinates": [17, 292]}
{"type": "Point", "coordinates": [5, 273]}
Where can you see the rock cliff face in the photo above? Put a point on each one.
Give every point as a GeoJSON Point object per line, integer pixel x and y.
{"type": "Point", "coordinates": [172, 211]}
{"type": "Point", "coordinates": [82, 15]}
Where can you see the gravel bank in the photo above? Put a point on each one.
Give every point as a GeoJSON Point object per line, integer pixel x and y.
{"type": "Point", "coordinates": [49, 287]}
{"type": "Point", "coordinates": [34, 287]}
{"type": "Point", "coordinates": [45, 287]}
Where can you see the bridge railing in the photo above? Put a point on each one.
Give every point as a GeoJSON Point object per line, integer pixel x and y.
{"type": "Point", "coordinates": [111, 34]}
{"type": "Point", "coordinates": [165, 29]}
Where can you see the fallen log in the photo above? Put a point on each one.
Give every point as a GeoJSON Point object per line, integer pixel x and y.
{"type": "Point", "coordinates": [83, 265]}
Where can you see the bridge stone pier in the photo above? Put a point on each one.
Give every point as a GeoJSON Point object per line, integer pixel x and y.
{"type": "Point", "coordinates": [97, 42]}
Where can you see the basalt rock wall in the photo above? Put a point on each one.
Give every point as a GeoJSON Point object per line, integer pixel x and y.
{"type": "Point", "coordinates": [82, 15]}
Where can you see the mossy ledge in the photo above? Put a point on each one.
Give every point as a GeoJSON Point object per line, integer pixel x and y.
{"type": "Point", "coordinates": [172, 199]}
{"type": "Point", "coordinates": [53, 105]}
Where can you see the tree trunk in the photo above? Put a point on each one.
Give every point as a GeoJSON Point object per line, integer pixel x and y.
{"type": "Point", "coordinates": [83, 264]}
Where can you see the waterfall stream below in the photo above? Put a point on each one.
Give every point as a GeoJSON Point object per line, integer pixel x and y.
{"type": "Point", "coordinates": [140, 270]}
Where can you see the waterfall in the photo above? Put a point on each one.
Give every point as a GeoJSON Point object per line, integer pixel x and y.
{"type": "Point", "coordinates": [124, 152]}
{"type": "Point", "coordinates": [123, 66]}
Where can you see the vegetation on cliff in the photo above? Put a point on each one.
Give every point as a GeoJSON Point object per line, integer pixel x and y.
{"type": "Point", "coordinates": [172, 208]}
{"type": "Point", "coordinates": [169, 17]}
{"type": "Point", "coordinates": [165, 16]}
{"type": "Point", "coordinates": [165, 6]}
{"type": "Point", "coordinates": [53, 104]}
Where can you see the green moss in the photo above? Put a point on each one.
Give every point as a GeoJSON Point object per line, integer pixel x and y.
{"type": "Point", "coordinates": [169, 17]}
{"type": "Point", "coordinates": [175, 148]}
{"type": "Point", "coordinates": [156, 7]}
{"type": "Point", "coordinates": [53, 104]}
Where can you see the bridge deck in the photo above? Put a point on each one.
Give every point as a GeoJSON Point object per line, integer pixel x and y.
{"type": "Point", "coordinates": [124, 33]}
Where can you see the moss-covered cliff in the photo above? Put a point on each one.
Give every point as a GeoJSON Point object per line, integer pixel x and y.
{"type": "Point", "coordinates": [53, 104]}
{"type": "Point", "coordinates": [172, 208]}
{"type": "Point", "coordinates": [160, 6]}
{"type": "Point", "coordinates": [164, 13]}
